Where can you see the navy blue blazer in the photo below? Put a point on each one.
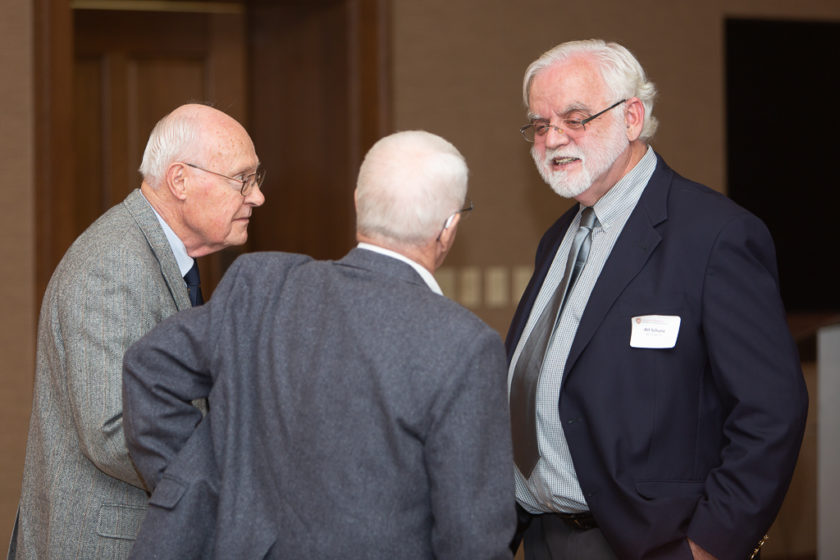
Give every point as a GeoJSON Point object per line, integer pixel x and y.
{"type": "Point", "coordinates": [699, 440]}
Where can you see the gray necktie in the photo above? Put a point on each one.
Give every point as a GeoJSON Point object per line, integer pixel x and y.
{"type": "Point", "coordinates": [526, 374]}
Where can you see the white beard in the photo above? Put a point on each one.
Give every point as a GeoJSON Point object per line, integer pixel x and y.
{"type": "Point", "coordinates": [593, 165]}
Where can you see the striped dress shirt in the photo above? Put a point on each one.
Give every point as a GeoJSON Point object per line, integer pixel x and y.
{"type": "Point", "coordinates": [553, 485]}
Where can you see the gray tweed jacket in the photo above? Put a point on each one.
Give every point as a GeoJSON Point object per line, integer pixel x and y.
{"type": "Point", "coordinates": [81, 496]}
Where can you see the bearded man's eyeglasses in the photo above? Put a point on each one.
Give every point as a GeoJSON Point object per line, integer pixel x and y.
{"type": "Point", "coordinates": [539, 128]}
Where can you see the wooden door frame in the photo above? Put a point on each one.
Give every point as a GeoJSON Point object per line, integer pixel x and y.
{"type": "Point", "coordinates": [53, 77]}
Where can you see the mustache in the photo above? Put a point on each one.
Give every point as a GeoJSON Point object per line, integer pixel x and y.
{"type": "Point", "coordinates": [561, 153]}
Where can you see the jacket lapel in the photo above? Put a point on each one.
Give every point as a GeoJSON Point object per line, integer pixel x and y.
{"type": "Point", "coordinates": [147, 221]}
{"type": "Point", "coordinates": [634, 246]}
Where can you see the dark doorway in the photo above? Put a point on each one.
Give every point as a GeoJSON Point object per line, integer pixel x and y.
{"type": "Point", "coordinates": [782, 136]}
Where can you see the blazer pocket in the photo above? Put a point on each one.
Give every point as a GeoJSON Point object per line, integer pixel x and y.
{"type": "Point", "coordinates": [168, 492]}
{"type": "Point", "coordinates": [119, 521]}
{"type": "Point", "coordinates": [658, 489]}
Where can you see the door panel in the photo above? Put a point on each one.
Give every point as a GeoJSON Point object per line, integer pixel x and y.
{"type": "Point", "coordinates": [131, 68]}
{"type": "Point", "coordinates": [318, 102]}
{"type": "Point", "coordinates": [309, 80]}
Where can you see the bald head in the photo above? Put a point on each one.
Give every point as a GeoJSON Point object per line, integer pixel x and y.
{"type": "Point", "coordinates": [183, 135]}
{"type": "Point", "coordinates": [196, 167]}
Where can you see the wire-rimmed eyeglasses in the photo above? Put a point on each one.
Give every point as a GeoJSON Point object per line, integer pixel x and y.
{"type": "Point", "coordinates": [468, 207]}
{"type": "Point", "coordinates": [539, 128]}
{"type": "Point", "coordinates": [247, 183]}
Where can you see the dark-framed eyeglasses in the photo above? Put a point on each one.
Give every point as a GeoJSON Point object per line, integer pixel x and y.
{"type": "Point", "coordinates": [539, 128]}
{"type": "Point", "coordinates": [246, 183]}
{"type": "Point", "coordinates": [465, 211]}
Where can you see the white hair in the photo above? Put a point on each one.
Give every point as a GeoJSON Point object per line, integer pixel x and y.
{"type": "Point", "coordinates": [622, 74]}
{"type": "Point", "coordinates": [175, 137]}
{"type": "Point", "coordinates": [409, 183]}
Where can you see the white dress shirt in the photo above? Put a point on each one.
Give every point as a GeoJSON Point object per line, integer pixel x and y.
{"type": "Point", "coordinates": [185, 262]}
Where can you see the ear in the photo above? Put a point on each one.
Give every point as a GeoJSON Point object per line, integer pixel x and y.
{"type": "Point", "coordinates": [444, 243]}
{"type": "Point", "coordinates": [447, 236]}
{"type": "Point", "coordinates": [634, 118]}
{"type": "Point", "coordinates": [176, 180]}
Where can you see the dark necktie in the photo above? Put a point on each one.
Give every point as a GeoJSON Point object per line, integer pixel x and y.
{"type": "Point", "coordinates": [194, 285]}
{"type": "Point", "coordinates": [526, 374]}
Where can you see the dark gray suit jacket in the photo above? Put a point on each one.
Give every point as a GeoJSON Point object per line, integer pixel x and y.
{"type": "Point", "coordinates": [81, 497]}
{"type": "Point", "coordinates": [353, 413]}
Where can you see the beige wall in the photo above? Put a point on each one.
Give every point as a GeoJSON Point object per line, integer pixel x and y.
{"type": "Point", "coordinates": [17, 251]}
{"type": "Point", "coordinates": [458, 65]}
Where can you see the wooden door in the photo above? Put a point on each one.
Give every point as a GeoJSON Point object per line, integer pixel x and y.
{"type": "Point", "coordinates": [309, 80]}
{"type": "Point", "coordinates": [319, 98]}
{"type": "Point", "coordinates": [130, 69]}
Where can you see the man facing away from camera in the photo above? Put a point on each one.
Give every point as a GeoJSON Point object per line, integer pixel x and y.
{"type": "Point", "coordinates": [657, 401]}
{"type": "Point", "coordinates": [81, 496]}
{"type": "Point", "coordinates": [355, 412]}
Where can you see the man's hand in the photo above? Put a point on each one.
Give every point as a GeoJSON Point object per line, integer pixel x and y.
{"type": "Point", "coordinates": [699, 552]}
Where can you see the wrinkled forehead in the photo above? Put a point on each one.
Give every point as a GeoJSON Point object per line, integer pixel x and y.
{"type": "Point", "coordinates": [569, 85]}
{"type": "Point", "coordinates": [226, 143]}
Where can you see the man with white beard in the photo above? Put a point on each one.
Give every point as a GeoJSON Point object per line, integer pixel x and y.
{"type": "Point", "coordinates": [657, 401]}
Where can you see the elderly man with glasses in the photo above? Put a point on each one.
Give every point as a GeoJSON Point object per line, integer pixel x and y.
{"type": "Point", "coordinates": [134, 266]}
{"type": "Point", "coordinates": [657, 401]}
{"type": "Point", "coordinates": [355, 412]}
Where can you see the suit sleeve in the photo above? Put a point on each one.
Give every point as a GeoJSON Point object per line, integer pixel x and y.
{"type": "Point", "coordinates": [100, 311]}
{"type": "Point", "coordinates": [163, 373]}
{"type": "Point", "coordinates": [756, 370]}
{"type": "Point", "coordinates": [468, 458]}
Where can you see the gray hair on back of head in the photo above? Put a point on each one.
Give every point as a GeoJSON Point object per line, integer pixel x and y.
{"type": "Point", "coordinates": [174, 138]}
{"type": "Point", "coordinates": [409, 183]}
{"type": "Point", "coordinates": [622, 73]}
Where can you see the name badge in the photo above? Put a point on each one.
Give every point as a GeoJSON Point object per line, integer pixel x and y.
{"type": "Point", "coordinates": [654, 331]}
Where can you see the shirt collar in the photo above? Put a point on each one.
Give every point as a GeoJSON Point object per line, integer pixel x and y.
{"type": "Point", "coordinates": [424, 274]}
{"type": "Point", "coordinates": [624, 195]}
{"type": "Point", "coordinates": [185, 262]}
